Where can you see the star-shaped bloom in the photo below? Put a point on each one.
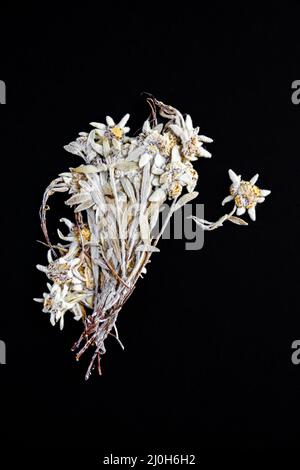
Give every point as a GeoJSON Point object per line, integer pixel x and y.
{"type": "Point", "coordinates": [58, 301]}
{"type": "Point", "coordinates": [116, 131]}
{"type": "Point", "coordinates": [245, 194]}
{"type": "Point", "coordinates": [192, 143]}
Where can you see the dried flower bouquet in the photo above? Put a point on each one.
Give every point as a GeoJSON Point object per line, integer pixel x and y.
{"type": "Point", "coordinates": [117, 195]}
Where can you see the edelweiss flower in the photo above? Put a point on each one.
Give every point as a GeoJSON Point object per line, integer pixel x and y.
{"type": "Point", "coordinates": [78, 235]}
{"type": "Point", "coordinates": [60, 271]}
{"type": "Point", "coordinates": [111, 129]}
{"type": "Point", "coordinates": [177, 174]}
{"type": "Point", "coordinates": [58, 301]}
{"type": "Point", "coordinates": [245, 194]}
{"type": "Point", "coordinates": [191, 142]}
{"type": "Point", "coordinates": [150, 149]}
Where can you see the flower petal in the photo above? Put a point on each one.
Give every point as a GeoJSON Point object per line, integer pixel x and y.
{"type": "Point", "coordinates": [123, 121]}
{"type": "Point", "coordinates": [98, 125]}
{"type": "Point", "coordinates": [146, 126]}
{"type": "Point", "coordinates": [252, 213]}
{"type": "Point", "coordinates": [159, 160]}
{"type": "Point", "coordinates": [176, 157]}
{"type": "Point", "coordinates": [44, 269]}
{"type": "Point", "coordinates": [110, 121]}
{"type": "Point", "coordinates": [204, 153]}
{"type": "Point", "coordinates": [145, 158]}
{"type": "Point", "coordinates": [176, 129]}
{"type": "Point", "coordinates": [234, 177]}
{"type": "Point", "coordinates": [265, 192]}
{"type": "Point", "coordinates": [189, 122]}
{"type": "Point", "coordinates": [205, 139]}
{"type": "Point", "coordinates": [240, 211]}
{"type": "Point", "coordinates": [254, 179]}
{"type": "Point", "coordinates": [227, 199]}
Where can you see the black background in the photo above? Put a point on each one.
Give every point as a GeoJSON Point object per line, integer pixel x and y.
{"type": "Point", "coordinates": [208, 334]}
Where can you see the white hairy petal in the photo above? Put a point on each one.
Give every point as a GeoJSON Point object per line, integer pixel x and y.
{"type": "Point", "coordinates": [124, 121]}
{"type": "Point", "coordinates": [227, 199]}
{"type": "Point", "coordinates": [189, 122]}
{"type": "Point", "coordinates": [159, 160]}
{"type": "Point", "coordinates": [145, 158]}
{"type": "Point", "coordinates": [44, 269]}
{"type": "Point", "coordinates": [175, 157]}
{"type": "Point", "coordinates": [156, 171]}
{"type": "Point", "coordinates": [234, 177]}
{"type": "Point", "coordinates": [158, 128]}
{"type": "Point", "coordinates": [68, 222]}
{"type": "Point", "coordinates": [240, 210]}
{"type": "Point", "coordinates": [110, 122]}
{"type": "Point", "coordinates": [254, 178]}
{"type": "Point", "coordinates": [98, 125]}
{"type": "Point", "coordinates": [265, 192]}
{"type": "Point", "coordinates": [205, 139]}
{"type": "Point", "coordinates": [252, 213]}
{"type": "Point", "coordinates": [204, 153]}
{"type": "Point", "coordinates": [146, 126]}
{"type": "Point", "coordinates": [176, 129]}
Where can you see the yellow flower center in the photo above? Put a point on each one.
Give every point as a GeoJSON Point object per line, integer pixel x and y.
{"type": "Point", "coordinates": [83, 232]}
{"type": "Point", "coordinates": [175, 190]}
{"type": "Point", "coordinates": [117, 132]}
{"type": "Point", "coordinates": [86, 234]}
{"type": "Point", "coordinates": [247, 196]}
{"type": "Point", "coordinates": [170, 140]}
{"type": "Point", "coordinates": [153, 149]}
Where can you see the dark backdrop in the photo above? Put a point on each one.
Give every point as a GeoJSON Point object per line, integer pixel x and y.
{"type": "Point", "coordinates": [208, 334]}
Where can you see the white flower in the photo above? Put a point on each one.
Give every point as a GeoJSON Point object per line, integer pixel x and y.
{"type": "Point", "coordinates": [245, 194]}
{"type": "Point", "coordinates": [147, 129]}
{"type": "Point", "coordinates": [149, 149]}
{"type": "Point", "coordinates": [111, 129]}
{"type": "Point", "coordinates": [192, 143]}
{"type": "Point", "coordinates": [176, 175]}
{"type": "Point", "coordinates": [58, 301]}
{"type": "Point", "coordinates": [63, 271]}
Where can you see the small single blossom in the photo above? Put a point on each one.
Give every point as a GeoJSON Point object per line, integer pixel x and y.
{"type": "Point", "coordinates": [245, 194]}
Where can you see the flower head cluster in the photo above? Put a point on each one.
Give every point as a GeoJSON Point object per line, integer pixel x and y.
{"type": "Point", "coordinates": [245, 194]}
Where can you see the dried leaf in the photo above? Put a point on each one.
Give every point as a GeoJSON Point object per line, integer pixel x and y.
{"type": "Point", "coordinates": [185, 199]}
{"type": "Point", "coordinates": [84, 206]}
{"type": "Point", "coordinates": [124, 165]}
{"type": "Point", "coordinates": [89, 169]}
{"type": "Point", "coordinates": [149, 248]}
{"type": "Point", "coordinates": [144, 227]}
{"type": "Point", "coordinates": [146, 185]}
{"type": "Point", "coordinates": [237, 220]}
{"type": "Point", "coordinates": [128, 188]}
{"type": "Point", "coordinates": [78, 199]}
